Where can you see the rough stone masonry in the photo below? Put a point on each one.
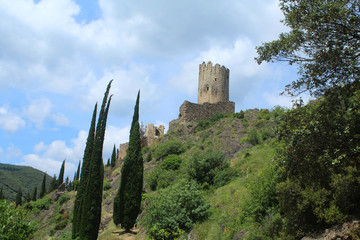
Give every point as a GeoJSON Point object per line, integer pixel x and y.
{"type": "Point", "coordinates": [213, 96]}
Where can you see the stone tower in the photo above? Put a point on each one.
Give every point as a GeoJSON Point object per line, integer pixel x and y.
{"type": "Point", "coordinates": [213, 83]}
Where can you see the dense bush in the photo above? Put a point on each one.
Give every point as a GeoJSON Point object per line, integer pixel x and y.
{"type": "Point", "coordinates": [254, 137]}
{"type": "Point", "coordinates": [159, 178]}
{"type": "Point", "coordinates": [318, 161]}
{"type": "Point", "coordinates": [167, 148]}
{"type": "Point", "coordinates": [205, 166]}
{"type": "Point", "coordinates": [13, 224]}
{"type": "Point", "coordinates": [63, 198]}
{"type": "Point", "coordinates": [171, 162]}
{"type": "Point", "coordinates": [175, 209]}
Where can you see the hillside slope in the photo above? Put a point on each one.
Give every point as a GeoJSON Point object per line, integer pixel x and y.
{"type": "Point", "coordinates": [13, 177]}
{"type": "Point", "coordinates": [245, 139]}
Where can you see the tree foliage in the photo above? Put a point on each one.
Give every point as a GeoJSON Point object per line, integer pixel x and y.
{"type": "Point", "coordinates": [319, 160]}
{"type": "Point", "coordinates": [91, 206]}
{"type": "Point", "coordinates": [128, 199]}
{"type": "Point", "coordinates": [61, 174]}
{"type": "Point", "coordinates": [13, 223]}
{"type": "Point", "coordinates": [18, 199]}
{"type": "Point", "coordinates": [84, 176]}
{"type": "Point", "coordinates": [87, 208]}
{"type": "Point", "coordinates": [113, 157]}
{"type": "Point", "coordinates": [175, 210]}
{"type": "Point", "coordinates": [324, 42]}
{"type": "Point", "coordinates": [43, 187]}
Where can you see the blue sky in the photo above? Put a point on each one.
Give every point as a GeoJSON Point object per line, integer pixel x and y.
{"type": "Point", "coordinates": [57, 56]}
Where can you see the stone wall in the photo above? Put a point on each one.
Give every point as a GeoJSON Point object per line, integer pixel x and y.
{"type": "Point", "coordinates": [122, 151]}
{"type": "Point", "coordinates": [192, 112]}
{"type": "Point", "coordinates": [152, 133]}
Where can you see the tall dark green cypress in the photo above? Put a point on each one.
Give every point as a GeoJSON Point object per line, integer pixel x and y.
{"type": "Point", "coordinates": [91, 206]}
{"type": "Point", "coordinates": [28, 198]}
{"type": "Point", "coordinates": [2, 195]}
{"type": "Point", "coordinates": [113, 157]}
{"type": "Point", "coordinates": [53, 184]}
{"type": "Point", "coordinates": [85, 169]}
{"type": "Point", "coordinates": [61, 174]}
{"type": "Point", "coordinates": [34, 196]}
{"type": "Point", "coordinates": [43, 187]}
{"type": "Point", "coordinates": [128, 199]}
{"type": "Point", "coordinates": [18, 198]}
{"type": "Point", "coordinates": [77, 175]}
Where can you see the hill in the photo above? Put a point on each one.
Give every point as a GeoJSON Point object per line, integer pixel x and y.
{"type": "Point", "coordinates": [13, 177]}
{"type": "Point", "coordinates": [245, 142]}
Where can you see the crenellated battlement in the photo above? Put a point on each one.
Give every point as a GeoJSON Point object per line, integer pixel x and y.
{"type": "Point", "coordinates": [213, 83]}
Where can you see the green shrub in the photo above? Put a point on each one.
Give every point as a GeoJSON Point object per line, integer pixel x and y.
{"type": "Point", "coordinates": [62, 221]}
{"type": "Point", "coordinates": [169, 147]}
{"type": "Point", "coordinates": [174, 209]}
{"type": "Point", "coordinates": [254, 137]}
{"type": "Point", "coordinates": [239, 115]}
{"type": "Point", "coordinates": [41, 204]}
{"type": "Point", "coordinates": [106, 185]}
{"type": "Point", "coordinates": [203, 168]}
{"type": "Point", "coordinates": [264, 114]}
{"type": "Point", "coordinates": [171, 162]}
{"type": "Point", "coordinates": [63, 198]}
{"type": "Point", "coordinates": [13, 224]}
{"type": "Point", "coordinates": [159, 178]}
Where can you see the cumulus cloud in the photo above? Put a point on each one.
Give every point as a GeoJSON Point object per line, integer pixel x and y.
{"type": "Point", "coordinates": [10, 121]}
{"type": "Point", "coordinates": [114, 135]}
{"type": "Point", "coordinates": [48, 158]}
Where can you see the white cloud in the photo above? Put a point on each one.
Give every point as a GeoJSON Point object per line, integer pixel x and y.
{"type": "Point", "coordinates": [49, 157]}
{"type": "Point", "coordinates": [40, 110]}
{"type": "Point", "coordinates": [10, 121]}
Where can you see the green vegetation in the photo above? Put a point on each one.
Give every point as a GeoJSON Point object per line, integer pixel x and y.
{"type": "Point", "coordinates": [175, 210]}
{"type": "Point", "coordinates": [170, 147]}
{"type": "Point", "coordinates": [323, 42]}
{"type": "Point", "coordinates": [128, 198]}
{"type": "Point", "coordinates": [171, 162]}
{"type": "Point", "coordinates": [43, 187]}
{"type": "Point", "coordinates": [13, 222]}
{"type": "Point", "coordinates": [84, 176]}
{"type": "Point", "coordinates": [113, 157]}
{"type": "Point", "coordinates": [90, 212]}
{"type": "Point", "coordinates": [61, 175]}
{"type": "Point", "coordinates": [12, 177]}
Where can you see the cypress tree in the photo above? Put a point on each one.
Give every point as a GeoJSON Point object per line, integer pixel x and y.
{"type": "Point", "coordinates": [77, 175]}
{"type": "Point", "coordinates": [34, 196]}
{"type": "Point", "coordinates": [2, 196]}
{"type": "Point", "coordinates": [28, 198]}
{"type": "Point", "coordinates": [108, 162]}
{"type": "Point", "coordinates": [53, 184]}
{"type": "Point", "coordinates": [91, 207]}
{"type": "Point", "coordinates": [113, 157]}
{"type": "Point", "coordinates": [128, 199]}
{"type": "Point", "coordinates": [19, 198]}
{"type": "Point", "coordinates": [61, 175]}
{"type": "Point", "coordinates": [43, 187]}
{"type": "Point", "coordinates": [85, 169]}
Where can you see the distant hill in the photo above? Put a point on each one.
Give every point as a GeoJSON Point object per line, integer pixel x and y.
{"type": "Point", "coordinates": [13, 177]}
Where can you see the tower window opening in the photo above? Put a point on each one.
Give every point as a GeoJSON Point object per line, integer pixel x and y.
{"type": "Point", "coordinates": [215, 79]}
{"type": "Point", "coordinates": [207, 88]}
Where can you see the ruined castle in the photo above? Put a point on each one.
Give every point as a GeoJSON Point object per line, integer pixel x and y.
{"type": "Point", "coordinates": [213, 96]}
